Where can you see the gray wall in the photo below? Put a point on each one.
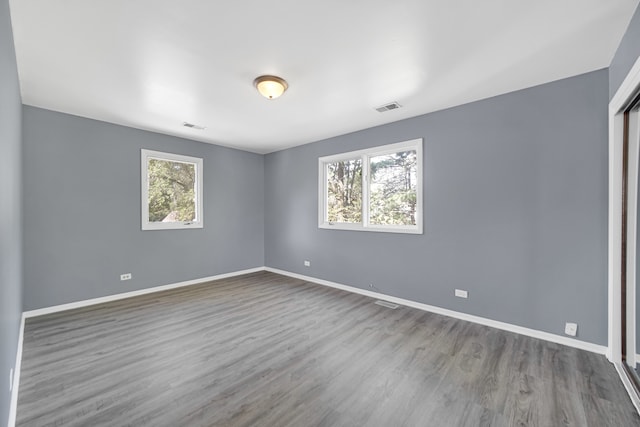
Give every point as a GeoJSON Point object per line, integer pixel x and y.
{"type": "Point", "coordinates": [626, 55]}
{"type": "Point", "coordinates": [10, 207]}
{"type": "Point", "coordinates": [82, 211]}
{"type": "Point", "coordinates": [515, 210]}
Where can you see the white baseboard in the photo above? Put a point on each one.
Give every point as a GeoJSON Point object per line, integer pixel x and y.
{"type": "Point", "coordinates": [115, 297]}
{"type": "Point", "coordinates": [559, 339]}
{"type": "Point", "coordinates": [13, 406]}
{"type": "Point", "coordinates": [571, 342]}
{"type": "Point", "coordinates": [57, 308]}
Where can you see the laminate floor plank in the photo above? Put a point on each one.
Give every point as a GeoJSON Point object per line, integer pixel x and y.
{"type": "Point", "coordinates": [268, 350]}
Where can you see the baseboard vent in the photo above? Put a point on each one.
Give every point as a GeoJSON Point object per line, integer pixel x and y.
{"type": "Point", "coordinates": [387, 304]}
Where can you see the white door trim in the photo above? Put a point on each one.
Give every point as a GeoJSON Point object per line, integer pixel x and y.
{"type": "Point", "coordinates": [619, 102]}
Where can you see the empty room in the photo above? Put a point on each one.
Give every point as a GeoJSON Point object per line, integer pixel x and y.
{"type": "Point", "coordinates": [336, 213]}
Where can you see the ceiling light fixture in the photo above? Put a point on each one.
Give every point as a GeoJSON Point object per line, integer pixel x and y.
{"type": "Point", "coordinates": [271, 87]}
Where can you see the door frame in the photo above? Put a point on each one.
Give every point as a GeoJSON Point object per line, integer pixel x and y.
{"type": "Point", "coordinates": [625, 94]}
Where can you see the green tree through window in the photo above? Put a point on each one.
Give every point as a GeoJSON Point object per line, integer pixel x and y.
{"type": "Point", "coordinates": [392, 188]}
{"type": "Point", "coordinates": [344, 191]}
{"type": "Point", "coordinates": [171, 191]}
{"type": "Point", "coordinates": [373, 189]}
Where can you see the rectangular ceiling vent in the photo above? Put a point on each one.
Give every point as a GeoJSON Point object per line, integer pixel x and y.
{"type": "Point", "coordinates": [391, 106]}
{"type": "Point", "coordinates": [387, 304]}
{"type": "Point", "coordinates": [192, 126]}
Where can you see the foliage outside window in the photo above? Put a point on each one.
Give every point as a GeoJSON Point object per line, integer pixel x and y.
{"type": "Point", "coordinates": [344, 191]}
{"type": "Point", "coordinates": [378, 189]}
{"type": "Point", "coordinates": [171, 191]}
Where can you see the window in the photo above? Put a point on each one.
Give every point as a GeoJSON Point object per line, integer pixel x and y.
{"type": "Point", "coordinates": [378, 189]}
{"type": "Point", "coordinates": [171, 191]}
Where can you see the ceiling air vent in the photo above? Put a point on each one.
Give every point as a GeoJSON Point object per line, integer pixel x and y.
{"type": "Point", "coordinates": [192, 126]}
{"type": "Point", "coordinates": [391, 106]}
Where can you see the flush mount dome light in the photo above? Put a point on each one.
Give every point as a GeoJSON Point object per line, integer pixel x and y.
{"type": "Point", "coordinates": [271, 87]}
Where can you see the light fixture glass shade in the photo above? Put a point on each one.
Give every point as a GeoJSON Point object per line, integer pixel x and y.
{"type": "Point", "coordinates": [271, 87]}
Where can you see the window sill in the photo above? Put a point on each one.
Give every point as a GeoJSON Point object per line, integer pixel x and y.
{"type": "Point", "coordinates": [376, 229]}
{"type": "Point", "coordinates": [171, 226]}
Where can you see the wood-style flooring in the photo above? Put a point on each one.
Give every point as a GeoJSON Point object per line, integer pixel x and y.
{"type": "Point", "coordinates": [268, 350]}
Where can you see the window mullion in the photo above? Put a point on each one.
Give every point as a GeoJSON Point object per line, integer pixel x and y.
{"type": "Point", "coordinates": [365, 191]}
{"type": "Point", "coordinates": [325, 190]}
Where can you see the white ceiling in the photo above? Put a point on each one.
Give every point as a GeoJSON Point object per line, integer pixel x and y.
{"type": "Point", "coordinates": [154, 64]}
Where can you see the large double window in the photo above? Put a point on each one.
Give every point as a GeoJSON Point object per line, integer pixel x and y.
{"type": "Point", "coordinates": [378, 189]}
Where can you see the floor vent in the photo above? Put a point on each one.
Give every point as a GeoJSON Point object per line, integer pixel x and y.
{"type": "Point", "coordinates": [391, 106]}
{"type": "Point", "coordinates": [387, 304]}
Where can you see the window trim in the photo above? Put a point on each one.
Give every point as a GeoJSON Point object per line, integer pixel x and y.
{"type": "Point", "coordinates": [145, 155]}
{"type": "Point", "coordinates": [365, 155]}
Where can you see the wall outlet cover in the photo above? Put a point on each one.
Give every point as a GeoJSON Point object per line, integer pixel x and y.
{"type": "Point", "coordinates": [461, 294]}
{"type": "Point", "coordinates": [307, 263]}
{"type": "Point", "coordinates": [571, 329]}
{"type": "Point", "coordinates": [126, 276]}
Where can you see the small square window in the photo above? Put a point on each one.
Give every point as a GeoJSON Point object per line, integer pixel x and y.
{"type": "Point", "coordinates": [171, 191]}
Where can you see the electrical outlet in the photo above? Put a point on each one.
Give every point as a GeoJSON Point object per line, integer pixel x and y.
{"type": "Point", "coordinates": [571, 329]}
{"type": "Point", "coordinates": [461, 294]}
{"type": "Point", "coordinates": [307, 263]}
{"type": "Point", "coordinates": [126, 276]}
{"type": "Point", "coordinates": [11, 379]}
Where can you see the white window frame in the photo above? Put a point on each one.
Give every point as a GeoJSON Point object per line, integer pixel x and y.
{"type": "Point", "coordinates": [145, 155]}
{"type": "Point", "coordinates": [365, 155]}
